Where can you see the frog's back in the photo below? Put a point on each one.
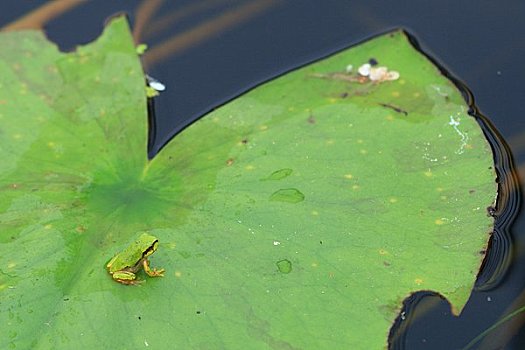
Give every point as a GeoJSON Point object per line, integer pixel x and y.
{"type": "Point", "coordinates": [132, 255]}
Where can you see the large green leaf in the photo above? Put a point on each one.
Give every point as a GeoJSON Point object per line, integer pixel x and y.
{"type": "Point", "coordinates": [299, 215]}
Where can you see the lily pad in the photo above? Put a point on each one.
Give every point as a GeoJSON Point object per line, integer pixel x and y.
{"type": "Point", "coordinates": [298, 216]}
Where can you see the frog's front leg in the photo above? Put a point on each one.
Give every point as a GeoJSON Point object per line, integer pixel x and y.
{"type": "Point", "coordinates": [125, 277]}
{"type": "Point", "coordinates": [150, 272]}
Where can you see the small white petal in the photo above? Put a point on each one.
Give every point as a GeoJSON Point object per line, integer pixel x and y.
{"type": "Point", "coordinates": [364, 70]}
{"type": "Point", "coordinates": [155, 84]}
{"type": "Point", "coordinates": [378, 73]}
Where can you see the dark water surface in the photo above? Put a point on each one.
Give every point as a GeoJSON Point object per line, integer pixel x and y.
{"type": "Point", "coordinates": [480, 42]}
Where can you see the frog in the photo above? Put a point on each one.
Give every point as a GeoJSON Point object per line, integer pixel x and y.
{"type": "Point", "coordinates": [124, 265]}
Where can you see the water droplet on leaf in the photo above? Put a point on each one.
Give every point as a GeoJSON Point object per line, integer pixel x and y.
{"type": "Point", "coordinates": [287, 195]}
{"type": "Point", "coordinates": [284, 266]}
{"type": "Point", "coordinates": [279, 174]}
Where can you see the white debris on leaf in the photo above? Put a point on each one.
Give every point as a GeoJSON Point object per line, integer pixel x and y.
{"type": "Point", "coordinates": [382, 74]}
{"type": "Point", "coordinates": [365, 73]}
{"type": "Point", "coordinates": [392, 75]}
{"type": "Point", "coordinates": [364, 70]}
{"type": "Point", "coordinates": [377, 74]}
{"type": "Point", "coordinates": [464, 137]}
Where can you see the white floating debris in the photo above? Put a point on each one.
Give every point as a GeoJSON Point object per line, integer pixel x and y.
{"type": "Point", "coordinates": [364, 70]}
{"type": "Point", "coordinates": [276, 243]}
{"type": "Point", "coordinates": [155, 84]}
{"type": "Point", "coordinates": [349, 68]}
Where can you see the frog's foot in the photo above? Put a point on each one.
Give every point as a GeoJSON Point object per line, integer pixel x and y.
{"type": "Point", "coordinates": [152, 272]}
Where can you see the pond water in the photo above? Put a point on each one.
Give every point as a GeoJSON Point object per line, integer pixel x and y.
{"type": "Point", "coordinates": [245, 44]}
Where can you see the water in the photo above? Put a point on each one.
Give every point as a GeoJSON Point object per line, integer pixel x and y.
{"type": "Point", "coordinates": [479, 44]}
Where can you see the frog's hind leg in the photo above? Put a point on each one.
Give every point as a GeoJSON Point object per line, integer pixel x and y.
{"type": "Point", "coordinates": [125, 277]}
{"type": "Point", "coordinates": [130, 282]}
{"type": "Point", "coordinates": [150, 272]}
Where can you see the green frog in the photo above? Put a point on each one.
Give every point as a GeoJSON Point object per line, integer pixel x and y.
{"type": "Point", "coordinates": [124, 266]}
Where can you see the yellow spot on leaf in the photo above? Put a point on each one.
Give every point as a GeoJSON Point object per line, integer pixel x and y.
{"type": "Point", "coordinates": [330, 142]}
{"type": "Point", "coordinates": [263, 127]}
{"type": "Point", "coordinates": [428, 173]}
{"type": "Point", "coordinates": [359, 141]}
{"type": "Point", "coordinates": [355, 187]}
{"type": "Point", "coordinates": [315, 212]}
{"type": "Point", "coordinates": [392, 200]}
{"type": "Point", "coordinates": [363, 151]}
{"type": "Point", "coordinates": [17, 136]}
{"type": "Point", "coordinates": [348, 176]}
{"type": "Point", "coordinates": [332, 100]}
{"type": "Point", "coordinates": [178, 273]}
{"type": "Point", "coordinates": [396, 94]}
{"type": "Point", "coordinates": [382, 252]}
{"type": "Point", "coordinates": [11, 265]}
{"type": "Point", "coordinates": [249, 167]}
{"type": "Point", "coordinates": [50, 144]}
{"type": "Point", "coordinates": [314, 264]}
{"type": "Point", "coordinates": [439, 222]}
{"type": "Point", "coordinates": [418, 281]}
{"type": "Point", "coordinates": [48, 226]}
{"type": "Point", "coordinates": [389, 117]}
